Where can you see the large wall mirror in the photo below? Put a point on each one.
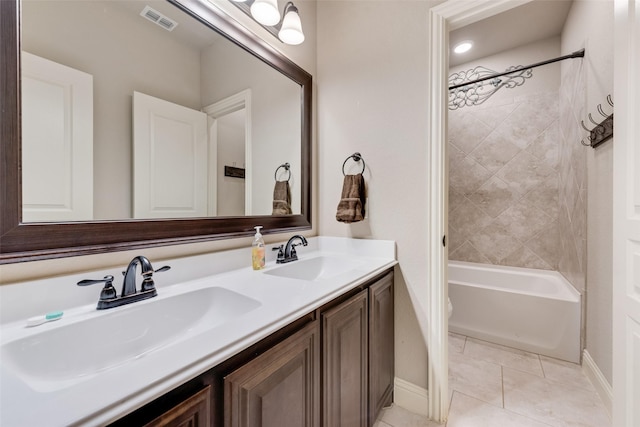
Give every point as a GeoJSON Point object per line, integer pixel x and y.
{"type": "Point", "coordinates": [129, 124]}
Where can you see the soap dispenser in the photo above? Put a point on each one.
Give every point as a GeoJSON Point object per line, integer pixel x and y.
{"type": "Point", "coordinates": [257, 250]}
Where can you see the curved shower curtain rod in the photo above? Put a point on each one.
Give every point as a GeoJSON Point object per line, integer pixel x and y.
{"type": "Point", "coordinates": [576, 54]}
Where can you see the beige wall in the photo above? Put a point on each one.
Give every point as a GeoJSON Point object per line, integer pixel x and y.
{"type": "Point", "coordinates": [590, 25]}
{"type": "Point", "coordinates": [372, 71]}
{"type": "Point", "coordinates": [503, 160]}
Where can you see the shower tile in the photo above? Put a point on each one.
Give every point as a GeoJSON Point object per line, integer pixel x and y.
{"type": "Point", "coordinates": [546, 146]}
{"type": "Point", "coordinates": [493, 116]}
{"type": "Point", "coordinates": [565, 372]}
{"type": "Point", "coordinates": [476, 378]}
{"type": "Point", "coordinates": [525, 124]}
{"type": "Point", "coordinates": [505, 356]}
{"type": "Point", "coordinates": [466, 252]}
{"type": "Point", "coordinates": [525, 257]}
{"type": "Point", "coordinates": [545, 244]}
{"type": "Point", "coordinates": [467, 411]}
{"type": "Point", "coordinates": [455, 239]}
{"type": "Point", "coordinates": [467, 218]}
{"type": "Point", "coordinates": [545, 196]}
{"type": "Point", "coordinates": [467, 176]}
{"type": "Point", "coordinates": [552, 402]}
{"type": "Point", "coordinates": [468, 133]}
{"type": "Point", "coordinates": [494, 196]}
{"type": "Point", "coordinates": [523, 220]}
{"type": "Point", "coordinates": [494, 242]}
{"type": "Point", "coordinates": [494, 152]}
{"type": "Point", "coordinates": [524, 172]}
{"type": "Point", "coordinates": [455, 199]}
{"type": "Point", "coordinates": [455, 154]}
{"type": "Point", "coordinates": [570, 193]}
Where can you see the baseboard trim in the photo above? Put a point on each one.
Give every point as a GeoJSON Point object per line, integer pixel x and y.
{"type": "Point", "coordinates": [410, 396]}
{"type": "Point", "coordinates": [602, 386]}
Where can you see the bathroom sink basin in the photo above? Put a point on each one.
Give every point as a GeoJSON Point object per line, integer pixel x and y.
{"type": "Point", "coordinates": [68, 354]}
{"type": "Point", "coordinates": [320, 268]}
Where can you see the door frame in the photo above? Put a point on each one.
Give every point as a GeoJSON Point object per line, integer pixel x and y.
{"type": "Point", "coordinates": [443, 18]}
{"type": "Point", "coordinates": [219, 109]}
{"type": "Point", "coordinates": [626, 214]}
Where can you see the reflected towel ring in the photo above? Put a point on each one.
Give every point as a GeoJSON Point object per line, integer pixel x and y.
{"type": "Point", "coordinates": [286, 167]}
{"type": "Point", "coordinates": [356, 157]}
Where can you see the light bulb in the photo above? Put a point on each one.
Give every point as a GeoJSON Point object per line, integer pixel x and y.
{"type": "Point", "coordinates": [291, 30]}
{"type": "Point", "coordinates": [463, 47]}
{"type": "Point", "coordinates": [265, 12]}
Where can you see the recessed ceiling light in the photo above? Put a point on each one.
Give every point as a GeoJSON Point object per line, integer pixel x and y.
{"type": "Point", "coordinates": [463, 47]}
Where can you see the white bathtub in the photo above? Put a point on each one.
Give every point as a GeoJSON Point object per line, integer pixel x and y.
{"type": "Point", "coordinates": [532, 310]}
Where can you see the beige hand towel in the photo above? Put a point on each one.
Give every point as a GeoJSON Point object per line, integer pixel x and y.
{"type": "Point", "coordinates": [281, 198]}
{"type": "Point", "coordinates": [351, 205]}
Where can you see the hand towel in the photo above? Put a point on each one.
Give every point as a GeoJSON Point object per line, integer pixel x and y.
{"type": "Point", "coordinates": [281, 198]}
{"type": "Point", "coordinates": [351, 205]}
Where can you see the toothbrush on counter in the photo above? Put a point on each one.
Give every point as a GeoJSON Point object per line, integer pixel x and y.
{"type": "Point", "coordinates": [39, 320]}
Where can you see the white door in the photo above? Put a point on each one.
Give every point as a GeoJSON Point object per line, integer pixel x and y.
{"type": "Point", "coordinates": [57, 141]}
{"type": "Point", "coordinates": [169, 159]}
{"type": "Point", "coordinates": [626, 216]}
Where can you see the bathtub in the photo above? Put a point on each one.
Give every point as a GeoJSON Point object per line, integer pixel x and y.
{"type": "Point", "coordinates": [532, 310]}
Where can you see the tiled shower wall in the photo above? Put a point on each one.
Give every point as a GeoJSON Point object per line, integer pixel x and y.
{"type": "Point", "coordinates": [572, 217]}
{"type": "Point", "coordinates": [504, 164]}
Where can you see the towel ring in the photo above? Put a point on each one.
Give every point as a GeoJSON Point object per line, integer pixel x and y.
{"type": "Point", "coordinates": [286, 167]}
{"type": "Point", "coordinates": [356, 157]}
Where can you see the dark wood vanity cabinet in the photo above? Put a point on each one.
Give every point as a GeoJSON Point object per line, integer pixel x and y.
{"type": "Point", "coordinates": [381, 346]}
{"type": "Point", "coordinates": [358, 356]}
{"type": "Point", "coordinates": [333, 367]}
{"type": "Point", "coordinates": [345, 356]}
{"type": "Point", "coordinates": [279, 388]}
{"type": "Point", "coordinates": [195, 411]}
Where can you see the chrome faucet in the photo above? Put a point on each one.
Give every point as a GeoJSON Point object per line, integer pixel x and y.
{"type": "Point", "coordinates": [129, 284]}
{"type": "Point", "coordinates": [287, 253]}
{"type": "Point", "coordinates": [129, 294]}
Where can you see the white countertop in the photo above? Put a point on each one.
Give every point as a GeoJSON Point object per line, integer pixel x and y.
{"type": "Point", "coordinates": [108, 395]}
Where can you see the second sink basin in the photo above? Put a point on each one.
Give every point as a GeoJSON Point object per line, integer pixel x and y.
{"type": "Point", "coordinates": [319, 268]}
{"type": "Point", "coordinates": [70, 353]}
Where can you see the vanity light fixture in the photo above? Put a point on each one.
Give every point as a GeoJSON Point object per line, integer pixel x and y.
{"type": "Point", "coordinates": [267, 14]}
{"type": "Point", "coordinates": [291, 30]}
{"type": "Point", "coordinates": [463, 47]}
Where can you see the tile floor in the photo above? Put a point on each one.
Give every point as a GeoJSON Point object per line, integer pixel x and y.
{"type": "Point", "coordinates": [496, 386]}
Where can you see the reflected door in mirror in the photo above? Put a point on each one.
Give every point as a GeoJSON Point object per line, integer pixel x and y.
{"type": "Point", "coordinates": [57, 141]}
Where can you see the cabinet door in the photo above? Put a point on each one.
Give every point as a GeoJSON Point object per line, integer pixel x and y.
{"type": "Point", "coordinates": [345, 360]}
{"type": "Point", "coordinates": [279, 388]}
{"type": "Point", "coordinates": [193, 412]}
{"type": "Point", "coordinates": [381, 346]}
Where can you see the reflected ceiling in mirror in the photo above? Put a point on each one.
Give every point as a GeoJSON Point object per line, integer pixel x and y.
{"type": "Point", "coordinates": [89, 152]}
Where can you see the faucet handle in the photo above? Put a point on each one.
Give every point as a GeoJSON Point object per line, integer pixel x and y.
{"type": "Point", "coordinates": [280, 256]}
{"type": "Point", "coordinates": [147, 283]}
{"type": "Point", "coordinates": [108, 292]}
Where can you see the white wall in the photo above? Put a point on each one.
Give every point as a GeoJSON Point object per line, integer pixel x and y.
{"type": "Point", "coordinates": [590, 24]}
{"type": "Point", "coordinates": [372, 74]}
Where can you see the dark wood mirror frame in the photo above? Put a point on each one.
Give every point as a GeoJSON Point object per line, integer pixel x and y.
{"type": "Point", "coordinates": [33, 241]}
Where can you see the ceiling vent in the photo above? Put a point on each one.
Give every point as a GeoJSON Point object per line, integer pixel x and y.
{"type": "Point", "coordinates": [158, 18]}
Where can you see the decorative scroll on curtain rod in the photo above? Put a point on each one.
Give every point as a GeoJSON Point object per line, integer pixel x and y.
{"type": "Point", "coordinates": [475, 86]}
